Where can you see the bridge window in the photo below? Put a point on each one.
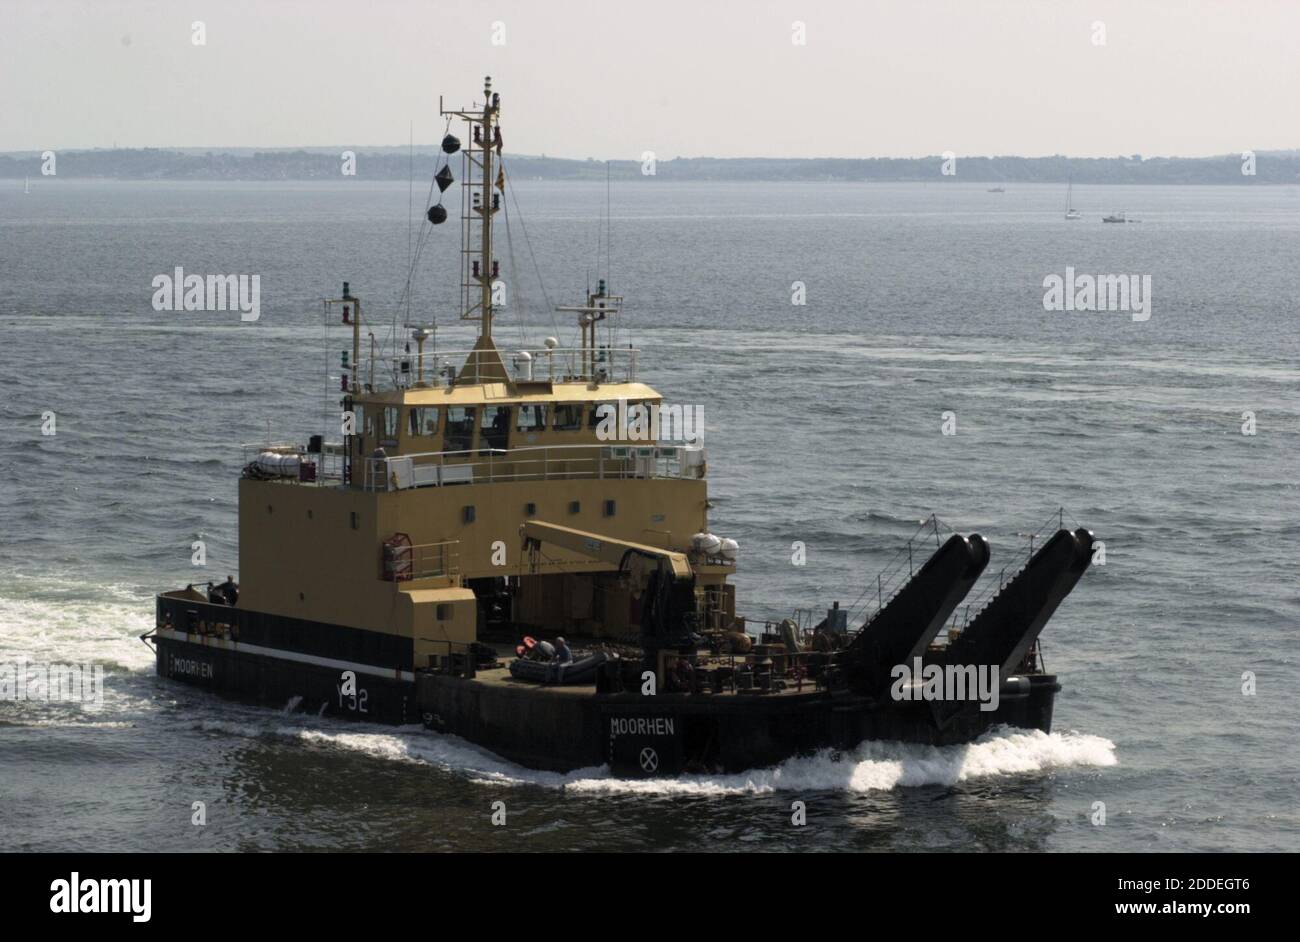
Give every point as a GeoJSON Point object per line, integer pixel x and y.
{"type": "Point", "coordinates": [362, 427]}
{"type": "Point", "coordinates": [389, 417]}
{"type": "Point", "coordinates": [568, 417]}
{"type": "Point", "coordinates": [531, 418]}
{"type": "Point", "coordinates": [424, 421]}
{"type": "Point", "coordinates": [460, 428]}
{"type": "Point", "coordinates": [496, 427]}
{"type": "Point", "coordinates": [366, 421]}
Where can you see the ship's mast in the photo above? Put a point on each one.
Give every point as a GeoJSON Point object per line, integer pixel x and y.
{"type": "Point", "coordinates": [478, 206]}
{"type": "Point", "coordinates": [487, 209]}
{"type": "Point", "coordinates": [599, 306]}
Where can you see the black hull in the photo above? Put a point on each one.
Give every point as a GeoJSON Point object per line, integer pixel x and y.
{"type": "Point", "coordinates": [285, 683]}
{"type": "Point", "coordinates": [540, 728]}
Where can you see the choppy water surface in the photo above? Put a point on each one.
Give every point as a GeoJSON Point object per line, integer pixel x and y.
{"type": "Point", "coordinates": [823, 424]}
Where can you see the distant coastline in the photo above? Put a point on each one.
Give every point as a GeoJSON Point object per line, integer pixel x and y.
{"type": "Point", "coordinates": [393, 163]}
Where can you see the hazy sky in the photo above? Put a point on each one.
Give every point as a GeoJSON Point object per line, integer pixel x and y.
{"type": "Point", "coordinates": [698, 78]}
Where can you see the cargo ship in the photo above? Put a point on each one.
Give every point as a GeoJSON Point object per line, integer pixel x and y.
{"type": "Point", "coordinates": [514, 548]}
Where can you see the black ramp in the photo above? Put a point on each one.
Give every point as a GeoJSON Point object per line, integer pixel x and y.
{"type": "Point", "coordinates": [904, 628]}
{"type": "Point", "coordinates": [1005, 629]}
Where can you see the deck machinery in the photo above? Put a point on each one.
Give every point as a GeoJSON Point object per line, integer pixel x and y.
{"type": "Point", "coordinates": [389, 572]}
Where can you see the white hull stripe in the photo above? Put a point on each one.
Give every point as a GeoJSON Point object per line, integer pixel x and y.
{"type": "Point", "coordinates": [239, 647]}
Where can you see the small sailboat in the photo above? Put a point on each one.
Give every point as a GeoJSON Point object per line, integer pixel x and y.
{"type": "Point", "coordinates": [1070, 211]}
{"type": "Point", "coordinates": [27, 184]}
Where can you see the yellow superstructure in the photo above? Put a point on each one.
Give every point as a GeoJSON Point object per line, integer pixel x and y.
{"type": "Point", "coordinates": [412, 524]}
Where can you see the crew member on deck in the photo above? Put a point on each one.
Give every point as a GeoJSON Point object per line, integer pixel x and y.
{"type": "Point", "coordinates": [562, 652]}
{"type": "Point", "coordinates": [228, 592]}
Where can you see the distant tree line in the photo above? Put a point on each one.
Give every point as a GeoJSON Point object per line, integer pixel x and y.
{"type": "Point", "coordinates": [395, 164]}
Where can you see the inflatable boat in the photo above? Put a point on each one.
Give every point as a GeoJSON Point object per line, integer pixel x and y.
{"type": "Point", "coordinates": [581, 671]}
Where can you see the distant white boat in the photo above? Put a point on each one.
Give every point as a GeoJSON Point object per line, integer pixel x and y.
{"type": "Point", "coordinates": [1070, 211]}
{"type": "Point", "coordinates": [27, 184]}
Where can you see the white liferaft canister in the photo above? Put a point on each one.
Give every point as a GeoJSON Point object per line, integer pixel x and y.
{"type": "Point", "coordinates": [272, 462]}
{"type": "Point", "coordinates": [707, 543]}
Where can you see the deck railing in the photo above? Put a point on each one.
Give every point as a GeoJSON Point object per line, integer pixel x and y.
{"type": "Point", "coordinates": [283, 461]}
{"type": "Point", "coordinates": [606, 364]}
{"type": "Point", "coordinates": [904, 564]}
{"type": "Point", "coordinates": [532, 463]}
{"type": "Point", "coordinates": [986, 593]}
{"type": "Point", "coordinates": [766, 669]}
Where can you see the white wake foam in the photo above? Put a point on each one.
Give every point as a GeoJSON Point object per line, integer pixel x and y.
{"type": "Point", "coordinates": [873, 766]}
{"type": "Point", "coordinates": [882, 766]}
{"type": "Point", "coordinates": [448, 753]}
{"type": "Point", "coordinates": [72, 622]}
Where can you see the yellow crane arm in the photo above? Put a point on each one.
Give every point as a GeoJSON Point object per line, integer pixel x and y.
{"type": "Point", "coordinates": [601, 547]}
